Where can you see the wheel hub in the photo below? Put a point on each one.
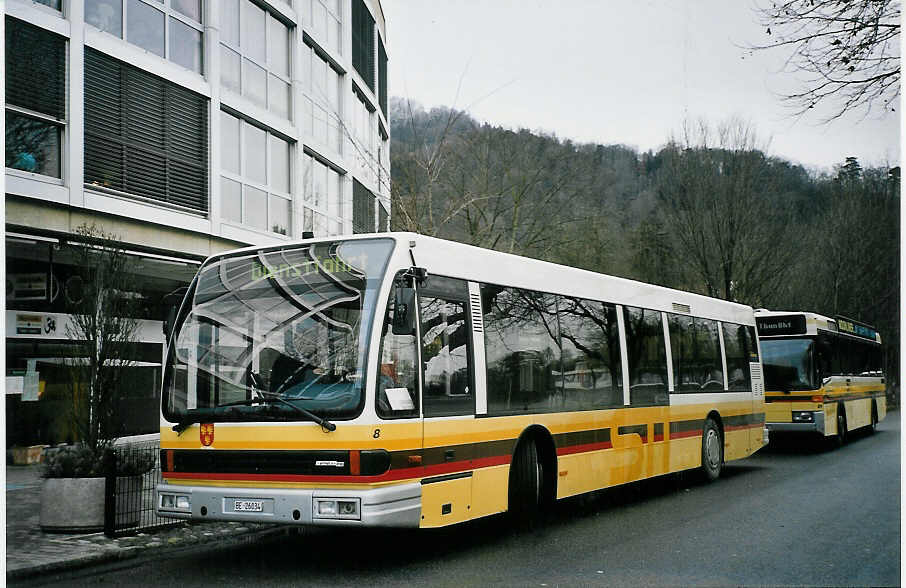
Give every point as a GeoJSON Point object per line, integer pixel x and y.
{"type": "Point", "coordinates": [712, 447]}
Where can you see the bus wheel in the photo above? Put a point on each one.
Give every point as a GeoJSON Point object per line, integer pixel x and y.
{"type": "Point", "coordinates": [712, 450]}
{"type": "Point", "coordinates": [841, 425]}
{"type": "Point", "coordinates": [525, 482]}
{"type": "Point", "coordinates": [874, 417]}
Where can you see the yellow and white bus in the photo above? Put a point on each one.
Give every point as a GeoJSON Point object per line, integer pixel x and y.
{"type": "Point", "coordinates": [822, 375]}
{"type": "Point", "coordinates": [402, 380]}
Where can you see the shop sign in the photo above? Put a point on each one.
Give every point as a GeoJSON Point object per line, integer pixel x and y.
{"type": "Point", "coordinates": [29, 324]}
{"type": "Point", "coordinates": [36, 324]}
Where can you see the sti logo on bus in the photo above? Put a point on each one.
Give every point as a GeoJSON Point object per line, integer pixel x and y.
{"type": "Point", "coordinates": [206, 433]}
{"type": "Point", "coordinates": [781, 325]}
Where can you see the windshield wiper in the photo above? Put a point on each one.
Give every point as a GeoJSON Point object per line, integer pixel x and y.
{"type": "Point", "coordinates": [265, 397]}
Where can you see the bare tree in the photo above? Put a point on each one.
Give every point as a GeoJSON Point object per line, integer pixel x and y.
{"type": "Point", "coordinates": [417, 197]}
{"type": "Point", "coordinates": [715, 191]}
{"type": "Point", "coordinates": [483, 185]}
{"type": "Point", "coordinates": [103, 330]}
{"type": "Point", "coordinates": [848, 51]}
{"type": "Point", "coordinates": [519, 187]}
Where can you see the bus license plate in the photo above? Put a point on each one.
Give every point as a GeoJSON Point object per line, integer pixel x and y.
{"type": "Point", "coordinates": [248, 506]}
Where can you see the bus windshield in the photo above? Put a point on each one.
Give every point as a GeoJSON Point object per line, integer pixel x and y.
{"type": "Point", "coordinates": [289, 324]}
{"type": "Point", "coordinates": [788, 364]}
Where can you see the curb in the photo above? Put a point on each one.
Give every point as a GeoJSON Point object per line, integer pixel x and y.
{"type": "Point", "coordinates": [145, 552]}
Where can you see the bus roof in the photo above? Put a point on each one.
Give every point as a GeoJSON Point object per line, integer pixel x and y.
{"type": "Point", "coordinates": [459, 260]}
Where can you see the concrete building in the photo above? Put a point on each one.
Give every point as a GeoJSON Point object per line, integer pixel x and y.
{"type": "Point", "coordinates": [184, 127]}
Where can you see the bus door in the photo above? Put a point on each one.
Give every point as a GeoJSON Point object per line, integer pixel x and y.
{"type": "Point", "coordinates": [448, 400]}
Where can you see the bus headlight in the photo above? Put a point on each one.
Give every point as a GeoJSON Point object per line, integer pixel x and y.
{"type": "Point", "coordinates": [336, 508]}
{"type": "Point", "coordinates": [180, 502]}
{"type": "Point", "coordinates": [803, 416]}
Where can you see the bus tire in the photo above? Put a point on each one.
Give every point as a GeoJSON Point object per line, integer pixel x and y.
{"type": "Point", "coordinates": [712, 450]}
{"type": "Point", "coordinates": [526, 477]}
{"type": "Point", "coordinates": [874, 418]}
{"type": "Point", "coordinates": [840, 439]}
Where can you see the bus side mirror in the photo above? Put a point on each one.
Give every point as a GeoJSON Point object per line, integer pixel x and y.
{"type": "Point", "coordinates": [404, 311]}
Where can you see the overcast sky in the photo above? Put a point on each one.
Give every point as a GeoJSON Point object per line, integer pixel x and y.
{"type": "Point", "coordinates": [609, 71]}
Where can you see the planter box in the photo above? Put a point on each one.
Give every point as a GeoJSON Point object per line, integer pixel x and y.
{"type": "Point", "coordinates": [72, 505]}
{"type": "Point", "coordinates": [76, 505]}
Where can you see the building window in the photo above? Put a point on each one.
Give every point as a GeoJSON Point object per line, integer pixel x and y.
{"type": "Point", "coordinates": [362, 208]}
{"type": "Point", "coordinates": [321, 99]}
{"type": "Point", "coordinates": [383, 217]}
{"type": "Point", "coordinates": [172, 29]}
{"type": "Point", "coordinates": [383, 167]}
{"type": "Point", "coordinates": [382, 77]}
{"type": "Point", "coordinates": [254, 53]}
{"type": "Point", "coordinates": [363, 42]}
{"type": "Point", "coordinates": [364, 138]}
{"type": "Point", "coordinates": [55, 4]}
{"type": "Point", "coordinates": [255, 176]}
{"type": "Point", "coordinates": [144, 136]}
{"type": "Point", "coordinates": [322, 190]}
{"type": "Point", "coordinates": [35, 98]}
{"type": "Point", "coordinates": [325, 19]}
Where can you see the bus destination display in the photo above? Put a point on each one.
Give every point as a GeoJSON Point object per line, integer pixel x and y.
{"type": "Point", "coordinates": [781, 325]}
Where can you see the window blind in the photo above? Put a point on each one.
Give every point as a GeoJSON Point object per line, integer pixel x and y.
{"type": "Point", "coordinates": [363, 42]}
{"type": "Point", "coordinates": [35, 68]}
{"type": "Point", "coordinates": [362, 208]}
{"type": "Point", "coordinates": [144, 135]}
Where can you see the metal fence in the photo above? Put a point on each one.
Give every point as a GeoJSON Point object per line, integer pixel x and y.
{"type": "Point", "coordinates": [129, 495]}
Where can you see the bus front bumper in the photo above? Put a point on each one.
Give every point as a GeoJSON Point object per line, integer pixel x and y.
{"type": "Point", "coordinates": [806, 422]}
{"type": "Point", "coordinates": [392, 506]}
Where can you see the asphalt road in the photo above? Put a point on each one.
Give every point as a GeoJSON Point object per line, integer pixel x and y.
{"type": "Point", "coordinates": [786, 516]}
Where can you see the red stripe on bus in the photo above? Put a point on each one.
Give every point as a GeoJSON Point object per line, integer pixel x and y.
{"type": "Point", "coordinates": [739, 427]}
{"type": "Point", "coordinates": [389, 476]}
{"type": "Point", "coordinates": [681, 434]}
{"type": "Point", "coordinates": [584, 448]}
{"type": "Point", "coordinates": [392, 475]}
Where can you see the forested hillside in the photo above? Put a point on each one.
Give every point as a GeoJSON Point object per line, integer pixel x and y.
{"type": "Point", "coordinates": [710, 212]}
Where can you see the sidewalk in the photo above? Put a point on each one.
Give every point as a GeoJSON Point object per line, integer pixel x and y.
{"type": "Point", "coordinates": [29, 551]}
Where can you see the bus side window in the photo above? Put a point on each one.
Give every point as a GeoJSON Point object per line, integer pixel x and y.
{"type": "Point", "coordinates": [522, 345]}
{"type": "Point", "coordinates": [397, 382]}
{"type": "Point", "coordinates": [751, 343]}
{"type": "Point", "coordinates": [591, 374]}
{"type": "Point", "coordinates": [446, 351]}
{"type": "Point", "coordinates": [738, 376]}
{"type": "Point", "coordinates": [825, 351]}
{"type": "Point", "coordinates": [682, 349]}
{"type": "Point", "coordinates": [647, 357]}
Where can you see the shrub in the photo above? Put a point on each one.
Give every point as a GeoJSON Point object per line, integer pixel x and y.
{"type": "Point", "coordinates": [81, 461]}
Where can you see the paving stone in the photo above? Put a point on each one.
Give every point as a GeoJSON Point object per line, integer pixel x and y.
{"type": "Point", "coordinates": [30, 551]}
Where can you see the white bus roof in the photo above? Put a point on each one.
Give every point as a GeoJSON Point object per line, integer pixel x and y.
{"type": "Point", "coordinates": [458, 260]}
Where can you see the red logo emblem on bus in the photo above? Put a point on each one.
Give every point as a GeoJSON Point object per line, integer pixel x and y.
{"type": "Point", "coordinates": [206, 433]}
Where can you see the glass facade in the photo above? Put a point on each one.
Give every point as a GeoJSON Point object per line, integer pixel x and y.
{"type": "Point", "coordinates": [255, 48]}
{"type": "Point", "coordinates": [255, 176]}
{"type": "Point", "coordinates": [257, 147]}
{"type": "Point", "coordinates": [149, 23]}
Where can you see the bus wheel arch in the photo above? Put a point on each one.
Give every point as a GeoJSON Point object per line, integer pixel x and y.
{"type": "Point", "coordinates": [712, 446]}
{"type": "Point", "coordinates": [534, 449]}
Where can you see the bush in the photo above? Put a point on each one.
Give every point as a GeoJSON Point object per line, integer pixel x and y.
{"type": "Point", "coordinates": [81, 461]}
